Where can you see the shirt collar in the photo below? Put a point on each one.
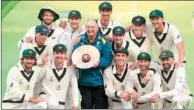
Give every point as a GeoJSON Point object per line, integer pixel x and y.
{"type": "Point", "coordinates": [133, 36]}
{"type": "Point", "coordinates": [115, 71]}
{"type": "Point", "coordinates": [110, 24]}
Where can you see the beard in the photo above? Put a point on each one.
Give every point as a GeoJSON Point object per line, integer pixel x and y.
{"type": "Point", "coordinates": [48, 22]}
{"type": "Point", "coordinates": [28, 65]}
{"type": "Point", "coordinates": [143, 68]}
{"type": "Point", "coordinates": [166, 67]}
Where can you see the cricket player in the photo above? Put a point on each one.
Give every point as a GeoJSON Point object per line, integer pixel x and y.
{"type": "Point", "coordinates": [119, 39]}
{"type": "Point", "coordinates": [138, 39]}
{"type": "Point", "coordinates": [166, 36]}
{"type": "Point", "coordinates": [176, 93]}
{"type": "Point", "coordinates": [21, 80]}
{"type": "Point", "coordinates": [43, 48]}
{"type": "Point", "coordinates": [105, 23]}
{"type": "Point", "coordinates": [57, 79]}
{"type": "Point", "coordinates": [68, 38]}
{"type": "Point", "coordinates": [141, 93]}
{"type": "Point", "coordinates": [115, 77]}
{"type": "Point", "coordinates": [46, 16]}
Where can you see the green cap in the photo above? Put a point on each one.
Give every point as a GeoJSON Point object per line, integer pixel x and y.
{"type": "Point", "coordinates": [42, 29]}
{"type": "Point", "coordinates": [105, 5]}
{"type": "Point", "coordinates": [29, 53]}
{"type": "Point", "coordinates": [156, 13]}
{"type": "Point", "coordinates": [138, 20]}
{"type": "Point", "coordinates": [166, 54]}
{"type": "Point", "coordinates": [118, 30]}
{"type": "Point", "coordinates": [59, 47]}
{"type": "Point", "coordinates": [144, 55]}
{"type": "Point", "coordinates": [74, 13]}
{"type": "Point", "coordinates": [122, 50]}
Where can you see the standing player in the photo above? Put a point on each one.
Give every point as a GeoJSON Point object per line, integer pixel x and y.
{"type": "Point", "coordinates": [21, 80]}
{"type": "Point", "coordinates": [138, 39]}
{"type": "Point", "coordinates": [141, 93]}
{"type": "Point", "coordinates": [176, 93]}
{"type": "Point", "coordinates": [166, 36]}
{"type": "Point", "coordinates": [46, 16]}
{"type": "Point", "coordinates": [104, 22]}
{"type": "Point", "coordinates": [57, 79]}
{"type": "Point", "coordinates": [115, 78]}
{"type": "Point", "coordinates": [43, 47]}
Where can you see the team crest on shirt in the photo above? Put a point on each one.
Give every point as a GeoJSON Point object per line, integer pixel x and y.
{"type": "Point", "coordinates": [58, 87]}
{"type": "Point", "coordinates": [143, 93]}
{"type": "Point", "coordinates": [19, 79]}
{"type": "Point", "coordinates": [122, 87]}
{"type": "Point", "coordinates": [161, 48]}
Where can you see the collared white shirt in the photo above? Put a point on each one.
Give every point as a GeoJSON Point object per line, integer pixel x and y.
{"type": "Point", "coordinates": [167, 40]}
{"type": "Point", "coordinates": [56, 82]}
{"type": "Point", "coordinates": [20, 85]}
{"type": "Point", "coordinates": [137, 46]}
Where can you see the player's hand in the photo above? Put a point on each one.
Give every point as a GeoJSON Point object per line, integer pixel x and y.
{"type": "Point", "coordinates": [96, 64]}
{"type": "Point", "coordinates": [28, 39]}
{"type": "Point", "coordinates": [110, 38]}
{"type": "Point", "coordinates": [125, 95]}
{"type": "Point", "coordinates": [154, 98]}
{"type": "Point", "coordinates": [133, 66]}
{"type": "Point", "coordinates": [178, 64]}
{"type": "Point", "coordinates": [39, 99]}
{"type": "Point", "coordinates": [74, 107]}
{"type": "Point", "coordinates": [134, 95]}
{"type": "Point", "coordinates": [76, 41]}
{"type": "Point", "coordinates": [80, 30]}
{"type": "Point", "coordinates": [69, 62]}
{"type": "Point", "coordinates": [44, 60]}
{"type": "Point", "coordinates": [146, 79]}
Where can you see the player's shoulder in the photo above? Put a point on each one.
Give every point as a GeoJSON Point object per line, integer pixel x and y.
{"type": "Point", "coordinates": [109, 69]}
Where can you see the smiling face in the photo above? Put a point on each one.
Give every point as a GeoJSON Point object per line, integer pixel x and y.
{"type": "Point", "coordinates": [28, 62]}
{"type": "Point", "coordinates": [157, 22]}
{"type": "Point", "coordinates": [121, 59]}
{"type": "Point", "coordinates": [167, 63]}
{"type": "Point", "coordinates": [74, 22]}
{"type": "Point", "coordinates": [59, 56]}
{"type": "Point", "coordinates": [105, 14]}
{"type": "Point", "coordinates": [91, 28]}
{"type": "Point", "coordinates": [138, 30]}
{"type": "Point", "coordinates": [40, 39]}
{"type": "Point", "coordinates": [143, 64]}
{"type": "Point", "coordinates": [47, 17]}
{"type": "Point", "coordinates": [118, 38]}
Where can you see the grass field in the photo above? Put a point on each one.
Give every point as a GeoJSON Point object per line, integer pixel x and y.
{"type": "Point", "coordinates": [24, 15]}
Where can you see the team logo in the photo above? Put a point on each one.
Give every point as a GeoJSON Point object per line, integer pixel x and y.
{"type": "Point", "coordinates": [138, 19]}
{"type": "Point", "coordinates": [122, 87]}
{"type": "Point", "coordinates": [73, 12]}
{"type": "Point", "coordinates": [161, 48]}
{"type": "Point", "coordinates": [104, 5]}
{"type": "Point", "coordinates": [58, 87]}
{"type": "Point", "coordinates": [28, 87]}
{"type": "Point", "coordinates": [178, 36]}
{"type": "Point", "coordinates": [118, 30]}
{"type": "Point", "coordinates": [143, 93]}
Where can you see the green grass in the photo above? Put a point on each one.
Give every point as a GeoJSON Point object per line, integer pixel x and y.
{"type": "Point", "coordinates": [23, 16]}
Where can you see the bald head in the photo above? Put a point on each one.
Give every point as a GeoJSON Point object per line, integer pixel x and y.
{"type": "Point", "coordinates": [91, 28]}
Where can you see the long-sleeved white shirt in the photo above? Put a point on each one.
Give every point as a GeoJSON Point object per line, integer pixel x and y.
{"type": "Point", "coordinates": [20, 85]}
{"type": "Point", "coordinates": [56, 83]}
{"type": "Point", "coordinates": [145, 91]}
{"type": "Point", "coordinates": [46, 50]}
